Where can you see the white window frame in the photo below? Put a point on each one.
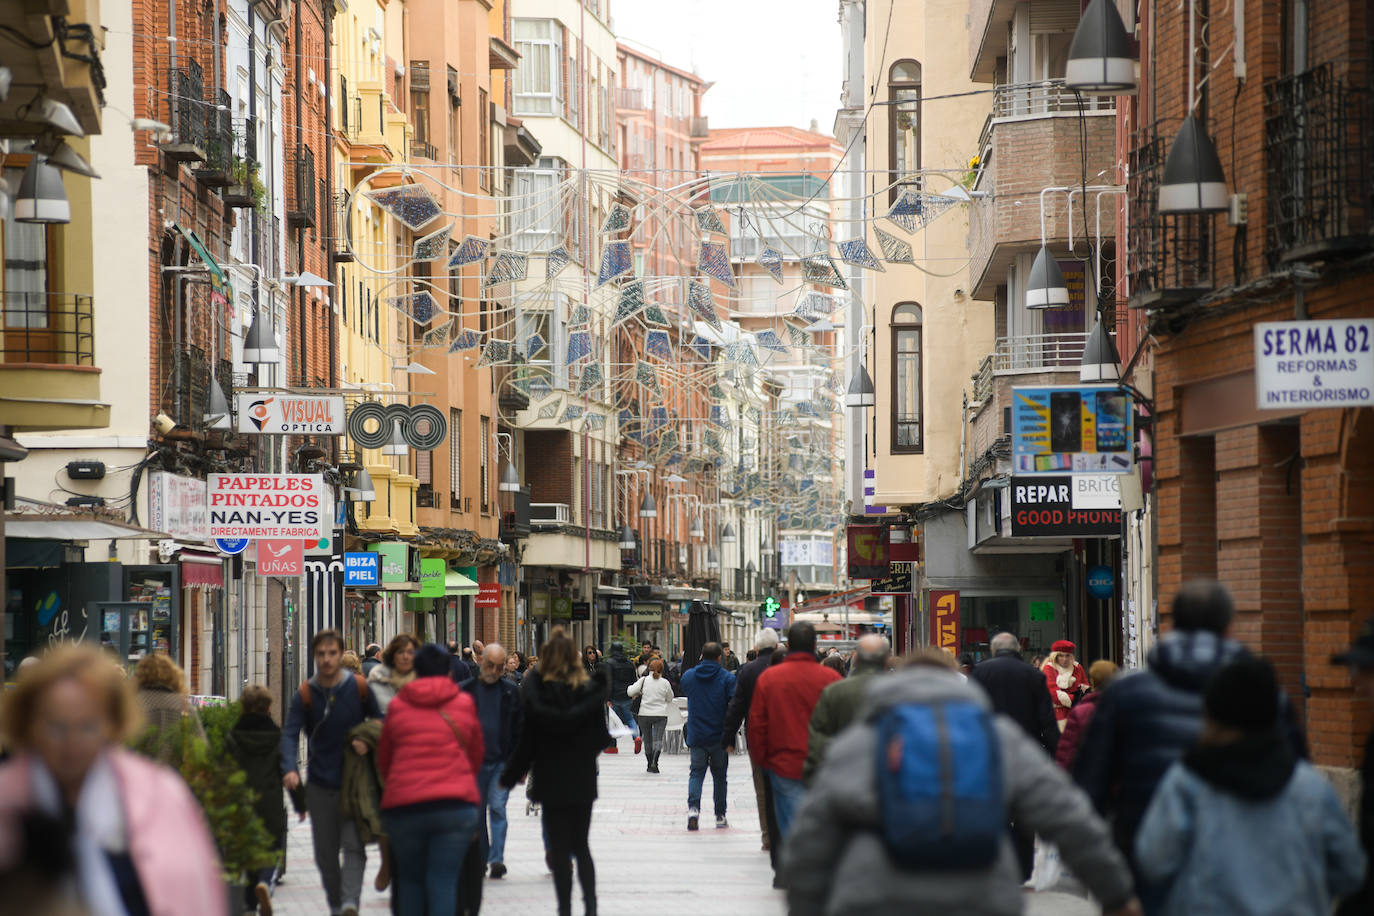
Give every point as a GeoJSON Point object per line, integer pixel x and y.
{"type": "Point", "coordinates": [534, 95]}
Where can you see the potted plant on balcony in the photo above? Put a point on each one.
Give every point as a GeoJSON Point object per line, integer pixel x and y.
{"type": "Point", "coordinates": [245, 189]}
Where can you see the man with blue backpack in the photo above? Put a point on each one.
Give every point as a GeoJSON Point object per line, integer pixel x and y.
{"type": "Point", "coordinates": [916, 797]}
{"type": "Point", "coordinates": [708, 687]}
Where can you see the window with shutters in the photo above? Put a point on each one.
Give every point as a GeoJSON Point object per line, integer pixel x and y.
{"type": "Point", "coordinates": [537, 212]}
{"type": "Point", "coordinates": [539, 78]}
{"type": "Point", "coordinates": [484, 430]}
{"type": "Point", "coordinates": [455, 458]}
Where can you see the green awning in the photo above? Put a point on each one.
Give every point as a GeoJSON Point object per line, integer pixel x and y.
{"type": "Point", "coordinates": [455, 583]}
{"type": "Point", "coordinates": [219, 280]}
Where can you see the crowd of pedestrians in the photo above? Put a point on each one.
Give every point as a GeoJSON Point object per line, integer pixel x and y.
{"type": "Point", "coordinates": [926, 784]}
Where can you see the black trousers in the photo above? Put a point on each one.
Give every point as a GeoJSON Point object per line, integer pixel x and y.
{"type": "Point", "coordinates": [1023, 841]}
{"type": "Point", "coordinates": [566, 828]}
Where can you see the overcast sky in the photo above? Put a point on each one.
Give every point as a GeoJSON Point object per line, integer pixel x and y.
{"type": "Point", "coordinates": [773, 62]}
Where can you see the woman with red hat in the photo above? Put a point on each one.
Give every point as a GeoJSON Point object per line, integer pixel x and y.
{"type": "Point", "coordinates": [1065, 678]}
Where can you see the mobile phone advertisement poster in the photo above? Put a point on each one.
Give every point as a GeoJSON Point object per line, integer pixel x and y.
{"type": "Point", "coordinates": [1072, 429]}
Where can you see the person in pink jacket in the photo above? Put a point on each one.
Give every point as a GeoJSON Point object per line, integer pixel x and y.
{"type": "Point", "coordinates": [86, 826]}
{"type": "Point", "coordinates": [428, 756]}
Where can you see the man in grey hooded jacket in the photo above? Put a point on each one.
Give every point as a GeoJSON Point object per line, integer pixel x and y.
{"type": "Point", "coordinates": [837, 833]}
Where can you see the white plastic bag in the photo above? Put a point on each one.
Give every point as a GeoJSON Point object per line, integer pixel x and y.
{"type": "Point", "coordinates": [617, 728]}
{"type": "Point", "coordinates": [1048, 869]}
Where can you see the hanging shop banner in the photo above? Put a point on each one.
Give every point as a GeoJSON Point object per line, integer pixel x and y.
{"type": "Point", "coordinates": [432, 573]}
{"type": "Point", "coordinates": [562, 608]}
{"type": "Point", "coordinates": [489, 595]}
{"type": "Point", "coordinates": [280, 558]}
{"type": "Point", "coordinates": [1079, 428]}
{"type": "Point", "coordinates": [400, 565]}
{"type": "Point", "coordinates": [286, 414]}
{"type": "Point", "coordinates": [868, 551]}
{"type": "Point", "coordinates": [1314, 364]}
{"type": "Point", "coordinates": [261, 506]}
{"type": "Point", "coordinates": [896, 582]}
{"type": "Point", "coordinates": [944, 620]}
{"type": "Point", "coordinates": [1053, 507]}
{"type": "Point", "coordinates": [362, 570]}
{"type": "Point", "coordinates": [372, 424]}
{"type": "Point", "coordinates": [622, 604]}
{"type": "Point", "coordinates": [176, 505]}
{"type": "Point", "coordinates": [581, 610]}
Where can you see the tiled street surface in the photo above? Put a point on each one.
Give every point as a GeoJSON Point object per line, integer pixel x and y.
{"type": "Point", "coordinates": [646, 860]}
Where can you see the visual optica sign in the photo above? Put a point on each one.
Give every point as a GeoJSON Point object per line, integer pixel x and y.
{"type": "Point", "coordinates": [1314, 364]}
{"type": "Point", "coordinates": [258, 506]}
{"type": "Point", "coordinates": [286, 414]}
{"type": "Point", "coordinates": [1078, 428]}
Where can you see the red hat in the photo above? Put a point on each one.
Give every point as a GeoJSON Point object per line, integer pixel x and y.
{"type": "Point", "coordinates": [1063, 645]}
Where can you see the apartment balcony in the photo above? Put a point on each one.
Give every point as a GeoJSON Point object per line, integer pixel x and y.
{"type": "Point", "coordinates": [48, 375]}
{"type": "Point", "coordinates": [423, 149]}
{"type": "Point", "coordinates": [1030, 141]}
{"type": "Point", "coordinates": [699, 128]}
{"type": "Point", "coordinates": [217, 169]}
{"type": "Point", "coordinates": [1317, 148]}
{"type": "Point", "coordinates": [1169, 257]}
{"type": "Point", "coordinates": [300, 208]}
{"type": "Point", "coordinates": [245, 189]}
{"type": "Point", "coordinates": [186, 113]}
{"type": "Point", "coordinates": [65, 70]}
{"type": "Point", "coordinates": [627, 99]}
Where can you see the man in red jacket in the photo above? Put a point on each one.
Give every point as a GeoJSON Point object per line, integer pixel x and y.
{"type": "Point", "coordinates": [779, 728]}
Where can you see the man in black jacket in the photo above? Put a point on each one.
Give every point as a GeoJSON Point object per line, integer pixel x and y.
{"type": "Point", "coordinates": [1145, 722]}
{"type": "Point", "coordinates": [1360, 659]}
{"type": "Point", "coordinates": [738, 711]}
{"type": "Point", "coordinates": [501, 715]}
{"type": "Point", "coordinates": [622, 675]}
{"type": "Point", "coordinates": [1018, 692]}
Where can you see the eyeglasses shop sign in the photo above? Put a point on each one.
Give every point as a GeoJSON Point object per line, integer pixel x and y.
{"type": "Point", "coordinates": [1300, 364]}
{"type": "Point", "coordinates": [1078, 505]}
{"type": "Point", "coordinates": [259, 506]}
{"type": "Point", "coordinates": [287, 414]}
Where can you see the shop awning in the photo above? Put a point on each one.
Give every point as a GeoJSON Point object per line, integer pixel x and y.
{"type": "Point", "coordinates": [455, 583]}
{"type": "Point", "coordinates": [201, 569]}
{"type": "Point", "coordinates": [219, 281]}
{"type": "Point", "coordinates": [58, 528]}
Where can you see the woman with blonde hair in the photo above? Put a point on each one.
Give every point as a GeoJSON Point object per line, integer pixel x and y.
{"type": "Point", "coordinates": [162, 698]}
{"type": "Point", "coordinates": [1065, 679]}
{"type": "Point", "coordinates": [564, 733]}
{"type": "Point", "coordinates": [396, 670]}
{"type": "Point", "coordinates": [85, 825]}
{"type": "Point", "coordinates": [655, 694]}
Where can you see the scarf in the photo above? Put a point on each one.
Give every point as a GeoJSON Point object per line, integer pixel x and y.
{"type": "Point", "coordinates": [98, 822]}
{"type": "Point", "coordinates": [1257, 767]}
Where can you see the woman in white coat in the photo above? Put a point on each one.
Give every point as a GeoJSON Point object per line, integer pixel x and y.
{"type": "Point", "coordinates": [655, 695]}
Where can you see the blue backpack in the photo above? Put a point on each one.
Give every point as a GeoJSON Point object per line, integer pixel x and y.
{"type": "Point", "coordinates": [940, 785]}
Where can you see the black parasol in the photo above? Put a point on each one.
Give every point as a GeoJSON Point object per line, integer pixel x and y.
{"type": "Point", "coordinates": [701, 629]}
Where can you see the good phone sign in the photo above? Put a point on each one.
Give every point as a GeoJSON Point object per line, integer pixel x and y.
{"type": "Point", "coordinates": [261, 506]}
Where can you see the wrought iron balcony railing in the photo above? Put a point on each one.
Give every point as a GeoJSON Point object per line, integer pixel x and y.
{"type": "Point", "coordinates": [1317, 148]}
{"type": "Point", "coordinates": [301, 210]}
{"type": "Point", "coordinates": [1169, 257]}
{"type": "Point", "coordinates": [47, 328]}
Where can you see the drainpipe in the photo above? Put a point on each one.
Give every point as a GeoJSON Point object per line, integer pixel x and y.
{"type": "Point", "coordinates": [300, 233]}
{"type": "Point", "coordinates": [172, 64]}
{"type": "Point", "coordinates": [327, 242]}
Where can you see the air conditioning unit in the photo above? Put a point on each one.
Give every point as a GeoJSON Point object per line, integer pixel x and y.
{"type": "Point", "coordinates": [549, 515]}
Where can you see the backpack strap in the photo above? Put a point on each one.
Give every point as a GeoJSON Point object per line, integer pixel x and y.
{"type": "Point", "coordinates": [361, 683]}
{"type": "Point", "coordinates": [304, 691]}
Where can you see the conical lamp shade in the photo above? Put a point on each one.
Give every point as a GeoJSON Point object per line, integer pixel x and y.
{"type": "Point", "coordinates": [1100, 360]}
{"type": "Point", "coordinates": [648, 508]}
{"type": "Point", "coordinates": [510, 479]}
{"type": "Point", "coordinates": [860, 393]}
{"type": "Point", "coordinates": [696, 531]}
{"type": "Point", "coordinates": [41, 198]}
{"type": "Point", "coordinates": [712, 561]}
{"type": "Point", "coordinates": [217, 411]}
{"type": "Point", "coordinates": [367, 490]}
{"type": "Point", "coordinates": [727, 534]}
{"type": "Point", "coordinates": [1045, 288]}
{"type": "Point", "coordinates": [1193, 179]}
{"type": "Point", "coordinates": [627, 538]}
{"type": "Point", "coordinates": [397, 445]}
{"type": "Point", "coordinates": [260, 346]}
{"type": "Point", "coordinates": [1100, 59]}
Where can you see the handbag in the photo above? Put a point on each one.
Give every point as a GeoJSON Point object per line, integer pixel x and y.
{"type": "Point", "coordinates": [457, 735]}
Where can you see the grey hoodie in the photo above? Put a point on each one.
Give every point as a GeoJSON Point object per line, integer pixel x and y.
{"type": "Point", "coordinates": [835, 836]}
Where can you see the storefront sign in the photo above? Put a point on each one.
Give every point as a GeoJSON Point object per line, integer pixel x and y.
{"type": "Point", "coordinates": [867, 551]}
{"type": "Point", "coordinates": [1042, 611]}
{"type": "Point", "coordinates": [896, 582]}
{"type": "Point", "coordinates": [423, 426]}
{"type": "Point", "coordinates": [362, 570]}
{"type": "Point", "coordinates": [489, 595]}
{"type": "Point", "coordinates": [1046, 507]}
{"type": "Point", "coordinates": [285, 414]}
{"type": "Point", "coordinates": [562, 608]}
{"type": "Point", "coordinates": [581, 610]}
{"type": "Point", "coordinates": [622, 604]}
{"type": "Point", "coordinates": [280, 558]}
{"type": "Point", "coordinates": [944, 620]}
{"type": "Point", "coordinates": [232, 546]}
{"type": "Point", "coordinates": [400, 566]}
{"type": "Point", "coordinates": [432, 572]}
{"type": "Point", "coordinates": [1096, 491]}
{"type": "Point", "coordinates": [176, 506]}
{"type": "Point", "coordinates": [1314, 364]}
{"type": "Point", "coordinates": [261, 506]}
{"type": "Point", "coordinates": [1101, 582]}
{"type": "Point", "coordinates": [807, 552]}
{"type": "Point", "coordinates": [1074, 428]}
{"type": "Point", "coordinates": [645, 613]}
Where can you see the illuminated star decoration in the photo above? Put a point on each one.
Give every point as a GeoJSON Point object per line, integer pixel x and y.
{"type": "Point", "coordinates": [472, 250]}
{"type": "Point", "coordinates": [412, 204]}
{"type": "Point", "coordinates": [895, 250]}
{"type": "Point", "coordinates": [701, 302]}
{"type": "Point", "coordinates": [555, 261]}
{"type": "Point", "coordinates": [820, 268]}
{"type": "Point", "coordinates": [615, 261]}
{"type": "Point", "coordinates": [433, 246]}
{"type": "Point", "coordinates": [714, 261]}
{"type": "Point", "coordinates": [770, 259]}
{"type": "Point", "coordinates": [857, 252]}
{"type": "Point", "coordinates": [508, 267]}
{"type": "Point", "coordinates": [708, 220]}
{"type": "Point", "coordinates": [617, 220]}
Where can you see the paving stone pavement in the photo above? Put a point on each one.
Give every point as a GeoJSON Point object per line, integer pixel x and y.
{"type": "Point", "coordinates": [645, 857]}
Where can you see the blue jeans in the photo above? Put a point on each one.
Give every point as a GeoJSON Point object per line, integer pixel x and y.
{"type": "Point", "coordinates": [427, 846]}
{"type": "Point", "coordinates": [718, 759]}
{"type": "Point", "coordinates": [622, 709]}
{"type": "Point", "coordinates": [787, 795]}
{"type": "Point", "coordinates": [494, 808]}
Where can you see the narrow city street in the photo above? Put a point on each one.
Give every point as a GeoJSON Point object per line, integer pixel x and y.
{"type": "Point", "coordinates": [646, 860]}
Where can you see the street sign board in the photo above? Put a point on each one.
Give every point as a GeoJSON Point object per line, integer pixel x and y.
{"type": "Point", "coordinates": [944, 620]}
{"type": "Point", "coordinates": [896, 582]}
{"type": "Point", "coordinates": [1054, 507]}
{"type": "Point", "coordinates": [489, 595]}
{"type": "Point", "coordinates": [362, 570]}
{"type": "Point", "coordinates": [258, 506]}
{"type": "Point", "coordinates": [285, 414]}
{"type": "Point", "coordinates": [1314, 364]}
{"type": "Point", "coordinates": [232, 546]}
{"type": "Point", "coordinates": [432, 572]}
{"type": "Point", "coordinates": [1072, 428]}
{"type": "Point", "coordinates": [281, 558]}
{"type": "Point", "coordinates": [868, 551]}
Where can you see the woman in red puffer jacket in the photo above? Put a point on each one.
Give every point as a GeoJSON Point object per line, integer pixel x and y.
{"type": "Point", "coordinates": [429, 754]}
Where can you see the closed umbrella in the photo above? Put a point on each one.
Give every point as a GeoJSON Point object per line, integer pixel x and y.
{"type": "Point", "coordinates": [702, 628]}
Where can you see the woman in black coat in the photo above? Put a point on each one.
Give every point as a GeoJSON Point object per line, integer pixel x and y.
{"type": "Point", "coordinates": [564, 734]}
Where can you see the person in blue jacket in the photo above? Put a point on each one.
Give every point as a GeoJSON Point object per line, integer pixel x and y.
{"type": "Point", "coordinates": [708, 687]}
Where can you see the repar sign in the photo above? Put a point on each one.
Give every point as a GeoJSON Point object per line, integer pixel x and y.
{"type": "Point", "coordinates": [259, 506]}
{"type": "Point", "coordinates": [1081, 505]}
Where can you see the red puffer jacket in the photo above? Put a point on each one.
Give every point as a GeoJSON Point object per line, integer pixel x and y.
{"type": "Point", "coordinates": [421, 756]}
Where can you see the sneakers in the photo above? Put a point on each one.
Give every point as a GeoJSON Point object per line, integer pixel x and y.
{"type": "Point", "coordinates": [350, 909]}
{"type": "Point", "coordinates": [498, 870]}
{"type": "Point", "coordinates": [612, 750]}
{"type": "Point", "coordinates": [639, 745]}
{"type": "Point", "coordinates": [263, 894]}
{"type": "Point", "coordinates": [721, 823]}
{"type": "Point", "coordinates": [693, 819]}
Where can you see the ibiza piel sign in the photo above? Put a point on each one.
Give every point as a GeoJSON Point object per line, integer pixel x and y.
{"type": "Point", "coordinates": [286, 414]}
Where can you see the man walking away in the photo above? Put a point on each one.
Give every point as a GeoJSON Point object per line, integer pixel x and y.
{"type": "Point", "coordinates": [729, 660]}
{"type": "Point", "coordinates": [622, 675]}
{"type": "Point", "coordinates": [1145, 722]}
{"type": "Point", "coordinates": [499, 711]}
{"type": "Point", "coordinates": [372, 657]}
{"type": "Point", "coordinates": [1017, 690]}
{"type": "Point", "coordinates": [708, 687]}
{"type": "Point", "coordinates": [1360, 659]}
{"type": "Point", "coordinates": [780, 722]}
{"type": "Point", "coordinates": [326, 708]}
{"type": "Point", "coordinates": [764, 644]}
{"type": "Point", "coordinates": [1243, 786]}
{"type": "Point", "coordinates": [868, 813]}
{"type": "Point", "coordinates": [840, 702]}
